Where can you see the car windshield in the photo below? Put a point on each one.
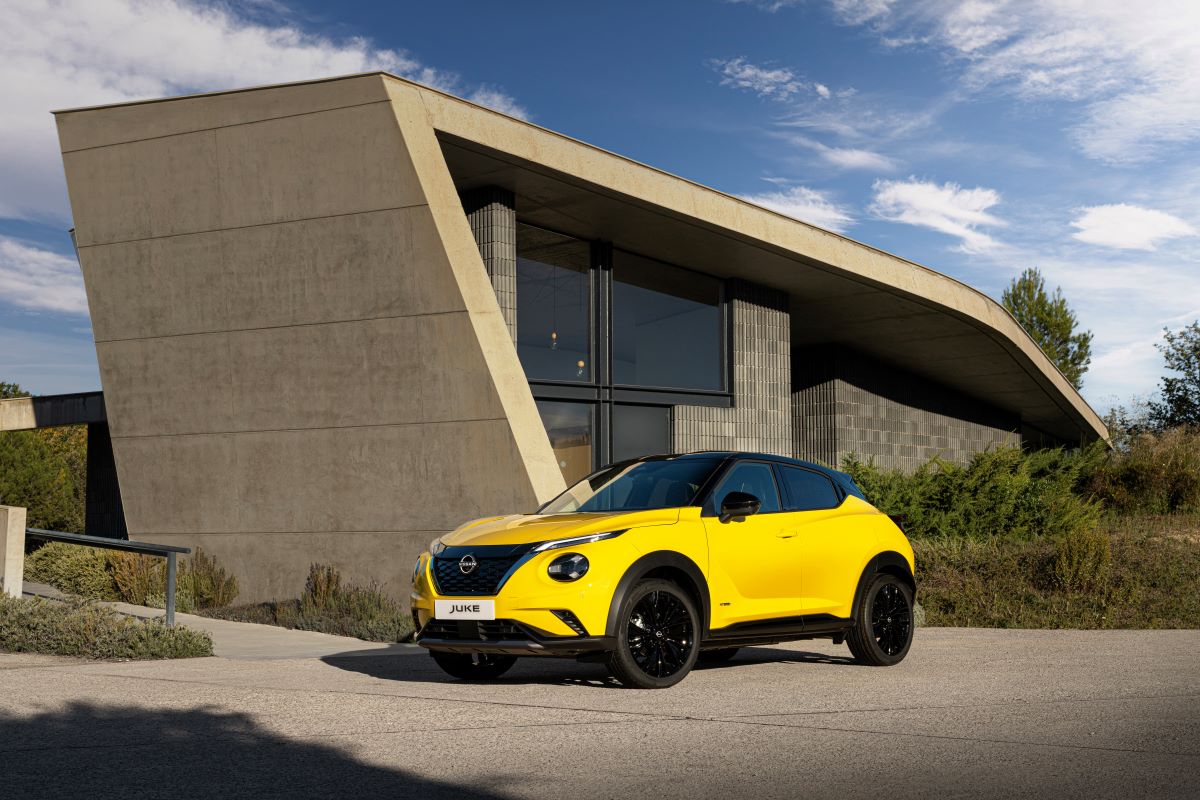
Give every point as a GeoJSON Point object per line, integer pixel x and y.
{"type": "Point", "coordinates": [637, 486]}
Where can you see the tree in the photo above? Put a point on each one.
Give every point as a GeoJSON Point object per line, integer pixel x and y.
{"type": "Point", "coordinates": [44, 471]}
{"type": "Point", "coordinates": [1180, 404]}
{"type": "Point", "coordinates": [1051, 323]}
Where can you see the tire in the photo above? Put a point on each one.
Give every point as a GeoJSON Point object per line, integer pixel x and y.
{"type": "Point", "coordinates": [718, 656]}
{"type": "Point", "coordinates": [657, 631]}
{"type": "Point", "coordinates": [473, 666]}
{"type": "Point", "coordinates": [883, 623]}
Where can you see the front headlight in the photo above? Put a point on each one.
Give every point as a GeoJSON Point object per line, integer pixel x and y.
{"type": "Point", "coordinates": [417, 569]}
{"type": "Point", "coordinates": [436, 546]}
{"type": "Point", "coordinates": [574, 540]}
{"type": "Point", "coordinates": [570, 567]}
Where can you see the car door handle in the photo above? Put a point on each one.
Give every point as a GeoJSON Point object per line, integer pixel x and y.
{"type": "Point", "coordinates": [786, 534]}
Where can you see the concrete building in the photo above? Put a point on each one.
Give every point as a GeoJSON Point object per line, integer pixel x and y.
{"type": "Point", "coordinates": [336, 318]}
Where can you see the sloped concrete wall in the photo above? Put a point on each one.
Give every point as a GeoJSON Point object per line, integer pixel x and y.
{"type": "Point", "coordinates": [296, 352]}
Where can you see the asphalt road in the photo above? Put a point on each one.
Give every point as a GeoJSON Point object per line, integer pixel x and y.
{"type": "Point", "coordinates": [970, 713]}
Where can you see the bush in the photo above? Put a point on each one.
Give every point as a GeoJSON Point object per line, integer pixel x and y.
{"type": "Point", "coordinates": [1082, 559]}
{"type": "Point", "coordinates": [329, 607]}
{"type": "Point", "coordinates": [73, 569]}
{"type": "Point", "coordinates": [131, 577]}
{"type": "Point", "coordinates": [82, 628]}
{"type": "Point", "coordinates": [1151, 473]}
{"type": "Point", "coordinates": [1003, 492]}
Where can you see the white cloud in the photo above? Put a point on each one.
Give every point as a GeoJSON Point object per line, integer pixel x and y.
{"type": "Point", "coordinates": [947, 208]}
{"type": "Point", "coordinates": [777, 83]}
{"type": "Point", "coordinates": [1128, 227]}
{"type": "Point", "coordinates": [844, 157]}
{"type": "Point", "coordinates": [39, 279]}
{"type": "Point", "coordinates": [1135, 70]}
{"type": "Point", "coordinates": [86, 52]}
{"type": "Point", "coordinates": [805, 204]}
{"type": "Point", "coordinates": [856, 12]}
{"type": "Point", "coordinates": [770, 6]}
{"type": "Point", "coordinates": [822, 91]}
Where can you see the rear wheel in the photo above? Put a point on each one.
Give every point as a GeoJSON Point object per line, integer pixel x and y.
{"type": "Point", "coordinates": [656, 636]}
{"type": "Point", "coordinates": [718, 656]}
{"type": "Point", "coordinates": [883, 625]}
{"type": "Point", "coordinates": [474, 666]}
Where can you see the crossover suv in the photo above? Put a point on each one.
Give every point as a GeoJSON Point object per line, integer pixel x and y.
{"type": "Point", "coordinates": [652, 564]}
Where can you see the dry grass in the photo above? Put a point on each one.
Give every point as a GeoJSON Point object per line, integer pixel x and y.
{"type": "Point", "coordinates": [1150, 579]}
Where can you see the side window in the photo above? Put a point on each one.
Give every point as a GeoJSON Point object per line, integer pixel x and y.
{"type": "Point", "coordinates": [752, 477]}
{"type": "Point", "coordinates": [808, 491]}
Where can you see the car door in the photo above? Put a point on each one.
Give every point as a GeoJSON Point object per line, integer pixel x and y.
{"type": "Point", "coordinates": [754, 571]}
{"type": "Point", "coordinates": [829, 542]}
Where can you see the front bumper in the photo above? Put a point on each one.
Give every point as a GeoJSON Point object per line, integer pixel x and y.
{"type": "Point", "coordinates": [504, 637]}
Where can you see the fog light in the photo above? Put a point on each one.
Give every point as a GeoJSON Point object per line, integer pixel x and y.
{"type": "Point", "coordinates": [570, 567]}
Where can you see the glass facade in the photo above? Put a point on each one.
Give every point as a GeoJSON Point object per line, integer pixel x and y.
{"type": "Point", "coordinates": [610, 341]}
{"type": "Point", "coordinates": [553, 306]}
{"type": "Point", "coordinates": [666, 326]}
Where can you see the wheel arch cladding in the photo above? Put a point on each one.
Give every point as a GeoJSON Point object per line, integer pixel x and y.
{"type": "Point", "coordinates": [888, 562]}
{"type": "Point", "coordinates": [668, 565]}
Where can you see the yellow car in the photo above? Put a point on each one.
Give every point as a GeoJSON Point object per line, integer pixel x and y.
{"type": "Point", "coordinates": [652, 564]}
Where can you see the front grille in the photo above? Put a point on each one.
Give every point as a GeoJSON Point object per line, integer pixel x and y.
{"type": "Point", "coordinates": [475, 630]}
{"type": "Point", "coordinates": [485, 579]}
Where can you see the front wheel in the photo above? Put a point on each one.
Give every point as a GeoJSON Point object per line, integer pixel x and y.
{"type": "Point", "coordinates": [473, 666]}
{"type": "Point", "coordinates": [883, 623]}
{"type": "Point", "coordinates": [656, 636]}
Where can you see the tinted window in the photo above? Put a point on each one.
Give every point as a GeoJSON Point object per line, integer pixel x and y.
{"type": "Point", "coordinates": [636, 487]}
{"type": "Point", "coordinates": [666, 326]}
{"type": "Point", "coordinates": [752, 477]}
{"type": "Point", "coordinates": [808, 491]}
{"type": "Point", "coordinates": [553, 317]}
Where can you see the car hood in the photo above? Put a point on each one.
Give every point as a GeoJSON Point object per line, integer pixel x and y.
{"type": "Point", "coordinates": [530, 528]}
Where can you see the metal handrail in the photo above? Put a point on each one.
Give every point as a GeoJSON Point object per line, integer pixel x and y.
{"type": "Point", "coordinates": [167, 551]}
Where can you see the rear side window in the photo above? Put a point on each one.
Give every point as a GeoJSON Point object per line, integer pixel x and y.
{"type": "Point", "coordinates": [751, 477]}
{"type": "Point", "coordinates": [808, 491]}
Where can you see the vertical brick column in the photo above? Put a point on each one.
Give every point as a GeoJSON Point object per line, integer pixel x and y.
{"type": "Point", "coordinates": [760, 419]}
{"type": "Point", "coordinates": [492, 214]}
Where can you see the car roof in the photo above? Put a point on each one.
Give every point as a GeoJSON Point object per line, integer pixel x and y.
{"type": "Point", "coordinates": [837, 475]}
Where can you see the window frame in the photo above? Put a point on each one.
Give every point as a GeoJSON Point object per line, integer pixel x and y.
{"type": "Point", "coordinates": [600, 391]}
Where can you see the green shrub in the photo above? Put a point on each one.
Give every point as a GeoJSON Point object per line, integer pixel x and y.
{"type": "Point", "coordinates": [73, 569]}
{"type": "Point", "coordinates": [1152, 473]}
{"type": "Point", "coordinates": [82, 628]}
{"type": "Point", "coordinates": [1082, 559]}
{"type": "Point", "coordinates": [1003, 492]}
{"type": "Point", "coordinates": [328, 606]}
{"type": "Point", "coordinates": [131, 577]}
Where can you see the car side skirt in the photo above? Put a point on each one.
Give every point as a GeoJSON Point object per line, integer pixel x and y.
{"type": "Point", "coordinates": [773, 631]}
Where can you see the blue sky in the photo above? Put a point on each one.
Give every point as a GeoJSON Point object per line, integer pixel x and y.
{"type": "Point", "coordinates": [977, 137]}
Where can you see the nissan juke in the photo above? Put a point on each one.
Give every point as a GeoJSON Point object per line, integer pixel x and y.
{"type": "Point", "coordinates": [650, 565]}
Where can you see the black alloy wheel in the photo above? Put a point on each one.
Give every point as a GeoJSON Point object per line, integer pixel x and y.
{"type": "Point", "coordinates": [891, 620]}
{"type": "Point", "coordinates": [473, 666]}
{"type": "Point", "coordinates": [656, 637]}
{"type": "Point", "coordinates": [883, 627]}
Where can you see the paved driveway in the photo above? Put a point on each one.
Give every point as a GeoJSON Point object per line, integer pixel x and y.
{"type": "Point", "coordinates": [970, 713]}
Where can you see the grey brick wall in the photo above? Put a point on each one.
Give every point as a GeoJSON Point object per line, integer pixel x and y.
{"type": "Point", "coordinates": [491, 212]}
{"type": "Point", "coordinates": [845, 403]}
{"type": "Point", "coordinates": [760, 419]}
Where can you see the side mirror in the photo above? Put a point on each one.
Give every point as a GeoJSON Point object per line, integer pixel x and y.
{"type": "Point", "coordinates": [738, 505]}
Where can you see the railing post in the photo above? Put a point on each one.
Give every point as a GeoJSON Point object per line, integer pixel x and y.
{"type": "Point", "coordinates": [170, 588]}
{"type": "Point", "coordinates": [12, 549]}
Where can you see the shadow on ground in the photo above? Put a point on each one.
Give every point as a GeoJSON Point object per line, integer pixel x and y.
{"type": "Point", "coordinates": [419, 668]}
{"type": "Point", "coordinates": [96, 751]}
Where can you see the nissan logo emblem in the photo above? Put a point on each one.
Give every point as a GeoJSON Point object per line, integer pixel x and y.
{"type": "Point", "coordinates": [467, 564]}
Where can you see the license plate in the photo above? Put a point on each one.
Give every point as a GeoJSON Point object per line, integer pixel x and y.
{"type": "Point", "coordinates": [464, 609]}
